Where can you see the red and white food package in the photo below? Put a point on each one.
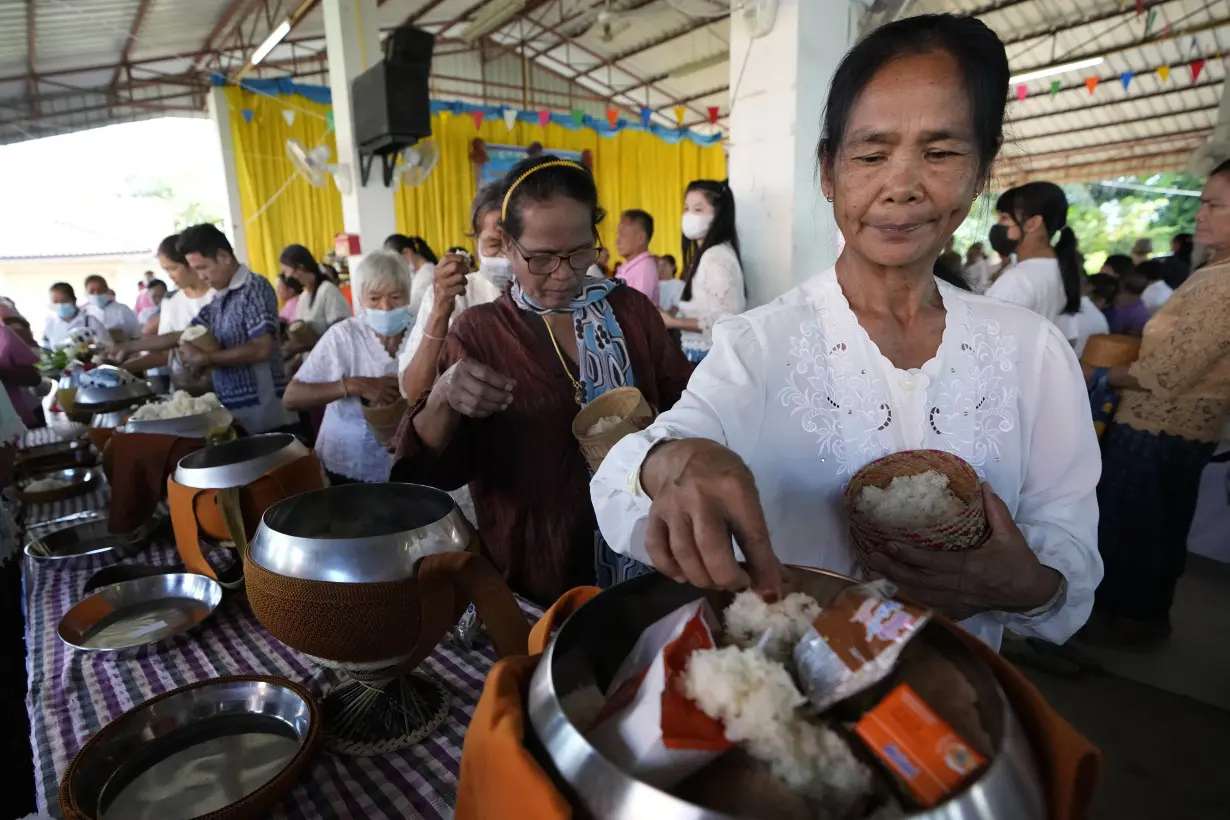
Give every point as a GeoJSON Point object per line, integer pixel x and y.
{"type": "Point", "coordinates": [648, 727]}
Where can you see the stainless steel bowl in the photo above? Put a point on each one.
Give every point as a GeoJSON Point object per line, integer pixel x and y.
{"type": "Point", "coordinates": [138, 612]}
{"type": "Point", "coordinates": [78, 481]}
{"type": "Point", "coordinates": [594, 641]}
{"type": "Point", "coordinates": [110, 419]}
{"type": "Point", "coordinates": [126, 390]}
{"type": "Point", "coordinates": [358, 533]}
{"type": "Point", "coordinates": [238, 463]}
{"type": "Point", "coordinates": [197, 750]}
{"type": "Point", "coordinates": [197, 425]}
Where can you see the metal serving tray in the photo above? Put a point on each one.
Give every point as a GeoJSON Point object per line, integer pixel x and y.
{"type": "Point", "coordinates": [88, 538]}
{"type": "Point", "coordinates": [141, 611]}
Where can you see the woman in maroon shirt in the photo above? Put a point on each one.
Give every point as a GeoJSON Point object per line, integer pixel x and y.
{"type": "Point", "coordinates": [514, 374]}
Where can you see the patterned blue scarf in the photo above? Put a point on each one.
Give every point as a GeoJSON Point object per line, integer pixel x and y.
{"type": "Point", "coordinates": [601, 349]}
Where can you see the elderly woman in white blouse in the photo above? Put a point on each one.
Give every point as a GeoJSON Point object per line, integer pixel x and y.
{"type": "Point", "coordinates": [713, 275]}
{"type": "Point", "coordinates": [877, 356]}
{"type": "Point", "coordinates": [356, 361]}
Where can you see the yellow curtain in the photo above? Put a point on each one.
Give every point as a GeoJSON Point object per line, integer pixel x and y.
{"type": "Point", "coordinates": [279, 207]}
{"type": "Point", "coordinates": [633, 169]}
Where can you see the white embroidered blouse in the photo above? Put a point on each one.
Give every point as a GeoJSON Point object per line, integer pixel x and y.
{"type": "Point", "coordinates": [717, 292]}
{"type": "Point", "coordinates": [802, 394]}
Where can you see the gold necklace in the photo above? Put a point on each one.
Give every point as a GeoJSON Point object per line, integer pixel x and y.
{"type": "Point", "coordinates": [578, 394]}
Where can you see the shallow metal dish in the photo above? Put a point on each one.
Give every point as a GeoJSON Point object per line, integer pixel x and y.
{"type": "Point", "coordinates": [590, 646]}
{"type": "Point", "coordinates": [110, 419]}
{"type": "Point", "coordinates": [232, 745]}
{"type": "Point", "coordinates": [197, 425]}
{"type": "Point", "coordinates": [238, 463]}
{"type": "Point", "coordinates": [81, 480]}
{"type": "Point", "coordinates": [45, 458]}
{"type": "Point", "coordinates": [139, 612]}
{"type": "Point", "coordinates": [358, 533]}
{"type": "Point", "coordinates": [87, 540]}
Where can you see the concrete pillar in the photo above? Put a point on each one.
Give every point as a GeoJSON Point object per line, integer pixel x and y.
{"type": "Point", "coordinates": [220, 115]}
{"type": "Point", "coordinates": [352, 37]}
{"type": "Point", "coordinates": [779, 83]}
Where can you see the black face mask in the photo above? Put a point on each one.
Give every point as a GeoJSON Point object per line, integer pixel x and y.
{"type": "Point", "coordinates": [1001, 242]}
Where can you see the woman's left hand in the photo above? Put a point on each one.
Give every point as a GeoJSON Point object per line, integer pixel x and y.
{"type": "Point", "coordinates": [1002, 575]}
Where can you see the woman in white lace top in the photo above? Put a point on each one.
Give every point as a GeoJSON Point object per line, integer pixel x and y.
{"type": "Point", "coordinates": [713, 275]}
{"type": "Point", "coordinates": [875, 356]}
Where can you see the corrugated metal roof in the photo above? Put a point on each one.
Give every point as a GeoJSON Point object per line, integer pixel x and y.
{"type": "Point", "coordinates": [591, 54]}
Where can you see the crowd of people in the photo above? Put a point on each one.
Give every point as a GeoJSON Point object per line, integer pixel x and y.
{"type": "Point", "coordinates": [764, 413]}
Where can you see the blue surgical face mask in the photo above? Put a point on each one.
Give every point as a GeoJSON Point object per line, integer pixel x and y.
{"type": "Point", "coordinates": [66, 310]}
{"type": "Point", "coordinates": [387, 322]}
{"type": "Point", "coordinates": [100, 299]}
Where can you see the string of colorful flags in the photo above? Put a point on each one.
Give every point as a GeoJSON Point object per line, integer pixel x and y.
{"type": "Point", "coordinates": [1125, 78]}
{"type": "Point", "coordinates": [612, 123]}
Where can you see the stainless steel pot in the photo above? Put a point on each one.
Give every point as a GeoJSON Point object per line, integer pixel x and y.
{"type": "Point", "coordinates": [108, 388]}
{"type": "Point", "coordinates": [358, 533]}
{"type": "Point", "coordinates": [595, 640]}
{"type": "Point", "coordinates": [238, 463]}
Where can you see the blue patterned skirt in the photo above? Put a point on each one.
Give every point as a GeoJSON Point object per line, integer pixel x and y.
{"type": "Point", "coordinates": [1146, 499]}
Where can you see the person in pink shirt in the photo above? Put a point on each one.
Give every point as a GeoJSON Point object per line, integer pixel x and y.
{"type": "Point", "coordinates": [17, 373]}
{"type": "Point", "coordinates": [640, 269]}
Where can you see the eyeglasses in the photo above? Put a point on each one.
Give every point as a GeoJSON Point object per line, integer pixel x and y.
{"type": "Point", "coordinates": [544, 264]}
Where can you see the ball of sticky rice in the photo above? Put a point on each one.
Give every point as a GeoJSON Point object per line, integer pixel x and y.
{"type": "Point", "coordinates": [910, 501]}
{"type": "Point", "coordinates": [748, 618]}
{"type": "Point", "coordinates": [603, 425]}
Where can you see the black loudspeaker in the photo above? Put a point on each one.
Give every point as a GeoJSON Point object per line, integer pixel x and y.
{"type": "Point", "coordinates": [391, 106]}
{"type": "Point", "coordinates": [407, 44]}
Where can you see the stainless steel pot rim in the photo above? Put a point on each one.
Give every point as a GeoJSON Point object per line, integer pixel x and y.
{"type": "Point", "coordinates": [238, 463]}
{"type": "Point", "coordinates": [117, 544]}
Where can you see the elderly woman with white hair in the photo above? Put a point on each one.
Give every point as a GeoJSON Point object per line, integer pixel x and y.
{"type": "Point", "coordinates": [355, 361]}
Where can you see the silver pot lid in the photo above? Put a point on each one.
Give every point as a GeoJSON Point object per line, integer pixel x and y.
{"type": "Point", "coordinates": [238, 463]}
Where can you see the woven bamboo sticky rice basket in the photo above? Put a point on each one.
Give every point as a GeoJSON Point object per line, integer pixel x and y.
{"type": "Point", "coordinates": [967, 530]}
{"type": "Point", "coordinates": [385, 419]}
{"type": "Point", "coordinates": [1111, 350]}
{"type": "Point", "coordinates": [206, 342]}
{"type": "Point", "coordinates": [628, 404]}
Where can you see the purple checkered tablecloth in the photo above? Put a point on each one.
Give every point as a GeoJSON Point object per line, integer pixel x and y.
{"type": "Point", "coordinates": [74, 694]}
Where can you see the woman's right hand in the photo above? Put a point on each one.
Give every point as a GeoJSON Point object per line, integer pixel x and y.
{"type": "Point", "coordinates": [448, 283]}
{"type": "Point", "coordinates": [703, 494]}
{"type": "Point", "coordinates": [473, 389]}
{"type": "Point", "coordinates": [377, 392]}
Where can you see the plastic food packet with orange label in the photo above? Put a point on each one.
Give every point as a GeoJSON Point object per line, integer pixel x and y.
{"type": "Point", "coordinates": [647, 726]}
{"type": "Point", "coordinates": [854, 642]}
{"type": "Point", "coordinates": [920, 748]}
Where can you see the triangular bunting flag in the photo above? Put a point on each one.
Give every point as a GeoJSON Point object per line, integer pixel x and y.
{"type": "Point", "coordinates": [1054, 87]}
{"type": "Point", "coordinates": [680, 112]}
{"type": "Point", "coordinates": [1197, 66]}
{"type": "Point", "coordinates": [248, 114]}
{"type": "Point", "coordinates": [1140, 6]}
{"type": "Point", "coordinates": [1021, 92]}
{"type": "Point", "coordinates": [713, 114]}
{"type": "Point", "coordinates": [578, 117]}
{"type": "Point", "coordinates": [329, 118]}
{"type": "Point", "coordinates": [1148, 20]}
{"type": "Point", "coordinates": [477, 115]}
{"type": "Point", "coordinates": [1091, 83]}
{"type": "Point", "coordinates": [1193, 46]}
{"type": "Point", "coordinates": [510, 118]}
{"type": "Point", "coordinates": [1126, 79]}
{"type": "Point", "coordinates": [612, 116]}
{"type": "Point", "coordinates": [544, 117]}
{"type": "Point", "coordinates": [289, 116]}
{"type": "Point", "coordinates": [646, 116]}
{"type": "Point", "coordinates": [1163, 71]}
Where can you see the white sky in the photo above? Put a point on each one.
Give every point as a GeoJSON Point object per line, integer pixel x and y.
{"type": "Point", "coordinates": [73, 175]}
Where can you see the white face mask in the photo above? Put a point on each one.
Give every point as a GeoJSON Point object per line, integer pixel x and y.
{"type": "Point", "coordinates": [696, 226]}
{"type": "Point", "coordinates": [495, 269]}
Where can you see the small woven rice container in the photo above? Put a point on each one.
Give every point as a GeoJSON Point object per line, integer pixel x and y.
{"type": "Point", "coordinates": [302, 334]}
{"type": "Point", "coordinates": [628, 404]}
{"type": "Point", "coordinates": [385, 419]}
{"type": "Point", "coordinates": [967, 530]}
{"type": "Point", "coordinates": [206, 342]}
{"type": "Point", "coordinates": [1111, 350]}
